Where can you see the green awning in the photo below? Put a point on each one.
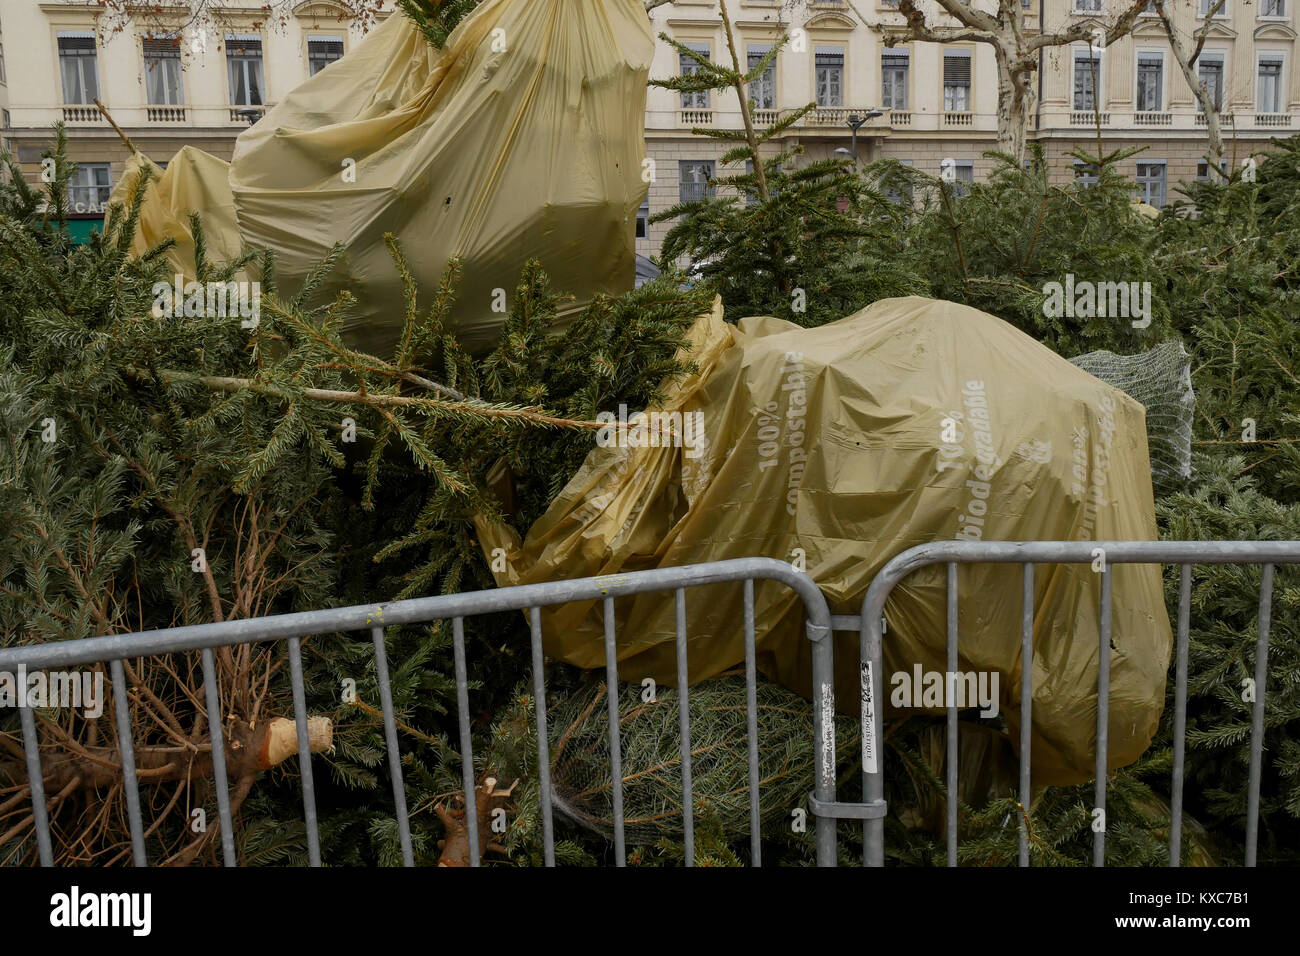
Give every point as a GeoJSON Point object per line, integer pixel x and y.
{"type": "Point", "coordinates": [79, 229]}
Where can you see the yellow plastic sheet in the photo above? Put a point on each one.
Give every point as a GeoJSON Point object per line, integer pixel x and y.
{"type": "Point", "coordinates": [523, 138]}
{"type": "Point", "coordinates": [909, 422]}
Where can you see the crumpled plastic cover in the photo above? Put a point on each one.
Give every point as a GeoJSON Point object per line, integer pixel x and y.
{"type": "Point", "coordinates": [831, 442]}
{"type": "Point", "coordinates": [523, 138]}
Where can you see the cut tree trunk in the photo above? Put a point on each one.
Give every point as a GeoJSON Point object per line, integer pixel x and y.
{"type": "Point", "coordinates": [455, 847]}
{"type": "Point", "coordinates": [248, 750]}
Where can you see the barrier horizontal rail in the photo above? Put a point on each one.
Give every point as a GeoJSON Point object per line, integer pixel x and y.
{"type": "Point", "coordinates": [1188, 554]}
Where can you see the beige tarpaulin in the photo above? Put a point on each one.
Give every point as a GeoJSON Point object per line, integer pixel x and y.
{"type": "Point", "coordinates": [194, 181]}
{"type": "Point", "coordinates": [523, 138]}
{"type": "Point", "coordinates": [911, 421]}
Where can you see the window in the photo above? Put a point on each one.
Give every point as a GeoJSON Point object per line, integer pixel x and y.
{"type": "Point", "coordinates": [1203, 8]}
{"type": "Point", "coordinates": [1087, 6]}
{"type": "Point", "coordinates": [893, 83]}
{"type": "Point", "coordinates": [965, 171]}
{"type": "Point", "coordinates": [1150, 82]}
{"type": "Point", "coordinates": [1203, 170]}
{"type": "Point", "coordinates": [77, 66]}
{"type": "Point", "coordinates": [162, 71]}
{"type": "Point", "coordinates": [956, 81]}
{"type": "Point", "coordinates": [322, 51]}
{"type": "Point", "coordinates": [830, 76]}
{"type": "Point", "coordinates": [762, 91]}
{"type": "Point", "coordinates": [1272, 8]}
{"type": "Point", "coordinates": [244, 62]}
{"type": "Point", "coordinates": [903, 190]}
{"type": "Point", "coordinates": [1085, 174]}
{"type": "Point", "coordinates": [2, 57]}
{"type": "Point", "coordinates": [88, 189]}
{"type": "Point", "coordinates": [1151, 183]}
{"type": "Point", "coordinates": [1268, 98]}
{"type": "Point", "coordinates": [1087, 69]}
{"type": "Point", "coordinates": [698, 99]}
{"type": "Point", "coordinates": [643, 220]}
{"type": "Point", "coordinates": [751, 196]}
{"type": "Point", "coordinates": [693, 179]}
{"type": "Point", "coordinates": [1209, 70]}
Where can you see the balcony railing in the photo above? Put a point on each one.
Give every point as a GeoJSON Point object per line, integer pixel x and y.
{"type": "Point", "coordinates": [900, 117]}
{"type": "Point", "coordinates": [165, 114]}
{"type": "Point", "coordinates": [1088, 118]}
{"type": "Point", "coordinates": [694, 117]}
{"type": "Point", "coordinates": [959, 119]}
{"type": "Point", "coordinates": [1272, 119]}
{"type": "Point", "coordinates": [766, 117]}
{"type": "Point", "coordinates": [1153, 119]}
{"type": "Point", "coordinates": [829, 116]}
{"type": "Point", "coordinates": [246, 114]}
{"type": "Point", "coordinates": [81, 114]}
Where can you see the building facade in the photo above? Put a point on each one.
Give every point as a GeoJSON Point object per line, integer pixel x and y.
{"type": "Point", "coordinates": [171, 78]}
{"type": "Point", "coordinates": [939, 101]}
{"type": "Point", "coordinates": [168, 79]}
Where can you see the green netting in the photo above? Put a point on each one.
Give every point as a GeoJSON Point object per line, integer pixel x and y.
{"type": "Point", "coordinates": [1161, 379]}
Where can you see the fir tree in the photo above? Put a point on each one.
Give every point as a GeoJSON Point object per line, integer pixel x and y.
{"type": "Point", "coordinates": [809, 243]}
{"type": "Point", "coordinates": [164, 469]}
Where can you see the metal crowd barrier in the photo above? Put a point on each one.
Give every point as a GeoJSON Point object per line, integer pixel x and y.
{"type": "Point", "coordinates": [820, 624]}
{"type": "Point", "coordinates": [1027, 554]}
{"type": "Point", "coordinates": [375, 618]}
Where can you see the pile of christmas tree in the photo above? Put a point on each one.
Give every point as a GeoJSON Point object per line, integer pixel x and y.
{"type": "Point", "coordinates": [159, 469]}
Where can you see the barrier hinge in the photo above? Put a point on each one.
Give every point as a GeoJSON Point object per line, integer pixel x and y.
{"type": "Point", "coordinates": [873, 810]}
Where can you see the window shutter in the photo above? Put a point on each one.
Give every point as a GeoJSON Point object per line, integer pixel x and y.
{"type": "Point", "coordinates": [243, 44]}
{"type": "Point", "coordinates": [956, 68]}
{"type": "Point", "coordinates": [76, 41]}
{"type": "Point", "coordinates": [331, 46]}
{"type": "Point", "coordinates": [830, 56]}
{"type": "Point", "coordinates": [157, 47]}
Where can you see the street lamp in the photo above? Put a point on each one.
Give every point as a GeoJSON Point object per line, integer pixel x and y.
{"type": "Point", "coordinates": [856, 122]}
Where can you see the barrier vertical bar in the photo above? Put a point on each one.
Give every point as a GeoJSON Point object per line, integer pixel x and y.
{"type": "Point", "coordinates": [873, 754]}
{"type": "Point", "coordinates": [1257, 715]}
{"type": "Point", "coordinates": [394, 753]}
{"type": "Point", "coordinates": [823, 676]}
{"type": "Point", "coordinates": [466, 744]}
{"type": "Point", "coordinates": [1103, 718]}
{"type": "Point", "coordinates": [684, 728]}
{"type": "Point", "coordinates": [1180, 716]}
{"type": "Point", "coordinates": [126, 746]}
{"type": "Point", "coordinates": [952, 758]}
{"type": "Point", "coordinates": [1026, 705]}
{"type": "Point", "coordinates": [35, 780]}
{"type": "Point", "coordinates": [217, 741]}
{"type": "Point", "coordinates": [615, 741]}
{"type": "Point", "coordinates": [543, 741]}
{"type": "Point", "coordinates": [304, 752]}
{"type": "Point", "coordinates": [751, 721]}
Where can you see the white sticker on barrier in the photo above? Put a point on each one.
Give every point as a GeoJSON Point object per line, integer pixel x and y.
{"type": "Point", "coordinates": [868, 720]}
